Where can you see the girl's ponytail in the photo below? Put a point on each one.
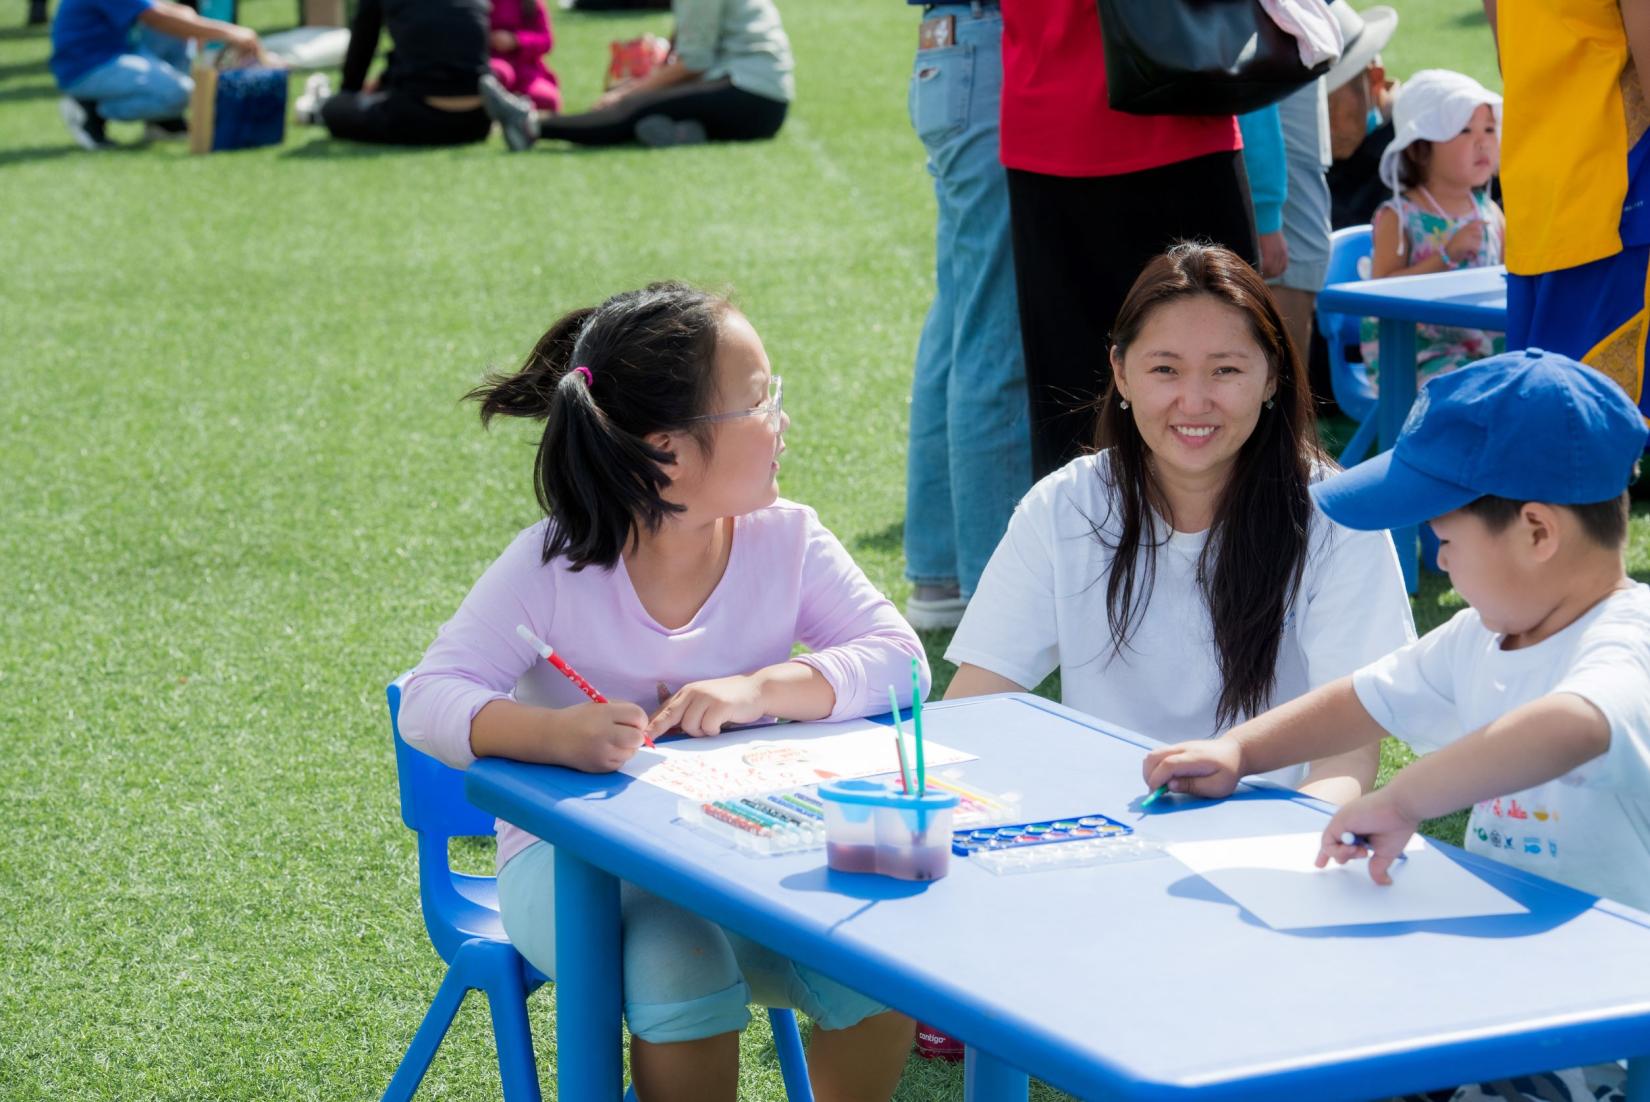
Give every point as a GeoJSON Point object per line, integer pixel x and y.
{"type": "Point", "coordinates": [530, 391]}
{"type": "Point", "coordinates": [603, 379]}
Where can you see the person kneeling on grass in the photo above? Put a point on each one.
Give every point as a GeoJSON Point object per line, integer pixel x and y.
{"type": "Point", "coordinates": [1536, 697]}
{"type": "Point", "coordinates": [728, 79]}
{"type": "Point", "coordinates": [104, 78]}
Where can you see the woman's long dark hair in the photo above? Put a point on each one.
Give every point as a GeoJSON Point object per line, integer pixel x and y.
{"type": "Point", "coordinates": [648, 365]}
{"type": "Point", "coordinates": [1252, 562]}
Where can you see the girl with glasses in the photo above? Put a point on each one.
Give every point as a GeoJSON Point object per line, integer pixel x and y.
{"type": "Point", "coordinates": [670, 573]}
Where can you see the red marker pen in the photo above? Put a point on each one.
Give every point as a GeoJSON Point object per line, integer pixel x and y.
{"type": "Point", "coordinates": [556, 660]}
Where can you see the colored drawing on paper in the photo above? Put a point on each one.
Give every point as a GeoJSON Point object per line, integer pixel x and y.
{"type": "Point", "coordinates": [762, 759]}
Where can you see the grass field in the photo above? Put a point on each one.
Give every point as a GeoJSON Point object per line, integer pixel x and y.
{"type": "Point", "coordinates": [238, 493]}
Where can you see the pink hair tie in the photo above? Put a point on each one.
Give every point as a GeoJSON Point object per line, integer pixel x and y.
{"type": "Point", "coordinates": [589, 379]}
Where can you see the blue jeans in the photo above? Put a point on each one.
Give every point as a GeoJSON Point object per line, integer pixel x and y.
{"type": "Point", "coordinates": [969, 458]}
{"type": "Point", "coordinates": [149, 83]}
{"type": "Point", "coordinates": [685, 978]}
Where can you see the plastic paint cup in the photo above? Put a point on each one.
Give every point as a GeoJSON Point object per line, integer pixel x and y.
{"type": "Point", "coordinates": [871, 827]}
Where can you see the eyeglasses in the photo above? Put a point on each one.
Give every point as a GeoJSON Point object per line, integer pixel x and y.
{"type": "Point", "coordinates": [771, 409]}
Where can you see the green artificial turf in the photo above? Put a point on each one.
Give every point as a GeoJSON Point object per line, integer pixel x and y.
{"type": "Point", "coordinates": [238, 493]}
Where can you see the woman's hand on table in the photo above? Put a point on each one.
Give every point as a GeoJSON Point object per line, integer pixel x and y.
{"type": "Point", "coordinates": [1208, 767]}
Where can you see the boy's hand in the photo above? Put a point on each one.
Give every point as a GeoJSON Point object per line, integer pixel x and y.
{"type": "Point", "coordinates": [1209, 767]}
{"type": "Point", "coordinates": [702, 708]}
{"type": "Point", "coordinates": [1380, 830]}
{"type": "Point", "coordinates": [503, 41]}
{"type": "Point", "coordinates": [598, 738]}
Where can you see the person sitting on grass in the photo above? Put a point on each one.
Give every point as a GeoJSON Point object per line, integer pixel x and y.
{"type": "Point", "coordinates": [728, 79]}
{"type": "Point", "coordinates": [104, 78]}
{"type": "Point", "coordinates": [426, 93]}
{"type": "Point", "coordinates": [518, 40]}
{"type": "Point", "coordinates": [1536, 698]}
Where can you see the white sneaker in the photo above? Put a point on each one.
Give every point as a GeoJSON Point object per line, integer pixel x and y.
{"type": "Point", "coordinates": [306, 109]}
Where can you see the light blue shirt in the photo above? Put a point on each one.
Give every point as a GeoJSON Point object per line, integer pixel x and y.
{"type": "Point", "coordinates": [1268, 168]}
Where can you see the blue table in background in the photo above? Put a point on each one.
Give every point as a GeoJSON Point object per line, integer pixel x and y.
{"type": "Point", "coordinates": [1132, 981]}
{"type": "Point", "coordinates": [1472, 298]}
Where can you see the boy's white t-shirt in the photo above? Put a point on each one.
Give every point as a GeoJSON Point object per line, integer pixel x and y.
{"type": "Point", "coordinates": [1590, 828]}
{"type": "Point", "coordinates": [1041, 604]}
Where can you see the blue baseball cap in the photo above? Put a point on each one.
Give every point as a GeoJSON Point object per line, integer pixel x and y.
{"type": "Point", "coordinates": [1529, 425]}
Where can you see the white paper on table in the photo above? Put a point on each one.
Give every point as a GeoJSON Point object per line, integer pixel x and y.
{"type": "Point", "coordinates": [1272, 877]}
{"type": "Point", "coordinates": [771, 757]}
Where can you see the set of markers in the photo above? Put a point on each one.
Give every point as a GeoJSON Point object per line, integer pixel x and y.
{"type": "Point", "coordinates": [794, 820]}
{"type": "Point", "coordinates": [779, 822]}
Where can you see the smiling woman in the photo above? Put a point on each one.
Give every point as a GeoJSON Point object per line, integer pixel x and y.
{"type": "Point", "coordinates": [1180, 577]}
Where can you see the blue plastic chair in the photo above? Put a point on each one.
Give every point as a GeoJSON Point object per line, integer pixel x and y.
{"type": "Point", "coordinates": [461, 915]}
{"type": "Point", "coordinates": [1348, 379]}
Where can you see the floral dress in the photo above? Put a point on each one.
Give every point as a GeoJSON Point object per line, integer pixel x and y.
{"type": "Point", "coordinates": [1426, 229]}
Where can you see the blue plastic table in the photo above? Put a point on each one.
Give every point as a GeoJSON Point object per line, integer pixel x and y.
{"type": "Point", "coordinates": [1473, 298]}
{"type": "Point", "coordinates": [1134, 981]}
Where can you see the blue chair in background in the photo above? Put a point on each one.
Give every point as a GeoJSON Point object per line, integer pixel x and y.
{"type": "Point", "coordinates": [1349, 250]}
{"type": "Point", "coordinates": [461, 915]}
{"type": "Point", "coordinates": [1349, 379]}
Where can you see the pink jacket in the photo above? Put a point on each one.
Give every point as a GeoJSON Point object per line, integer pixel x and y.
{"type": "Point", "coordinates": [526, 19]}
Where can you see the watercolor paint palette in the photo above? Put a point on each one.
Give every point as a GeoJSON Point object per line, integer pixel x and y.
{"type": "Point", "coordinates": [1091, 839]}
{"type": "Point", "coordinates": [793, 820]}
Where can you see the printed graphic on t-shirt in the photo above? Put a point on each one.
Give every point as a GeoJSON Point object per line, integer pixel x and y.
{"type": "Point", "coordinates": [1505, 824]}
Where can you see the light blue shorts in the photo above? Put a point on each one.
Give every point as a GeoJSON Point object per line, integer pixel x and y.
{"type": "Point", "coordinates": [684, 978]}
{"type": "Point", "coordinates": [1305, 118]}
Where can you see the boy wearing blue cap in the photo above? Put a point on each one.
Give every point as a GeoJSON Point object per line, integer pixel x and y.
{"type": "Point", "coordinates": [1537, 697]}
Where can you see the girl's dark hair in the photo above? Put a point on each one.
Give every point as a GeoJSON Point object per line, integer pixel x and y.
{"type": "Point", "coordinates": [1251, 565]}
{"type": "Point", "coordinates": [1412, 163]}
{"type": "Point", "coordinates": [650, 357]}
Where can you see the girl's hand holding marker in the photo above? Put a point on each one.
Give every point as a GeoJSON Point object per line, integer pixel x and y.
{"type": "Point", "coordinates": [599, 738]}
{"type": "Point", "coordinates": [602, 736]}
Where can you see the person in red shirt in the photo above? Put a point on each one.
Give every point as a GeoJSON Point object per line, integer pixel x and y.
{"type": "Point", "coordinates": [1093, 195]}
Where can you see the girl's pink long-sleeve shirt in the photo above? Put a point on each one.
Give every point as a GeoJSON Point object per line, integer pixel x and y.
{"type": "Point", "coordinates": [788, 580]}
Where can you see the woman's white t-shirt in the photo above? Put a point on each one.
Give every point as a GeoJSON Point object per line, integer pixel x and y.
{"type": "Point", "coordinates": [1041, 604]}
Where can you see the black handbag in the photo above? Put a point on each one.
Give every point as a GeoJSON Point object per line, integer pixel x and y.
{"type": "Point", "coordinates": [1197, 57]}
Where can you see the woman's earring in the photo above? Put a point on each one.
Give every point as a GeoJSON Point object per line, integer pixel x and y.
{"type": "Point", "coordinates": [1270, 403]}
{"type": "Point", "coordinates": [1124, 403]}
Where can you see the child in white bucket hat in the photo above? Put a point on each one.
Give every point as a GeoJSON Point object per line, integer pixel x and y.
{"type": "Point", "coordinates": [1440, 217]}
